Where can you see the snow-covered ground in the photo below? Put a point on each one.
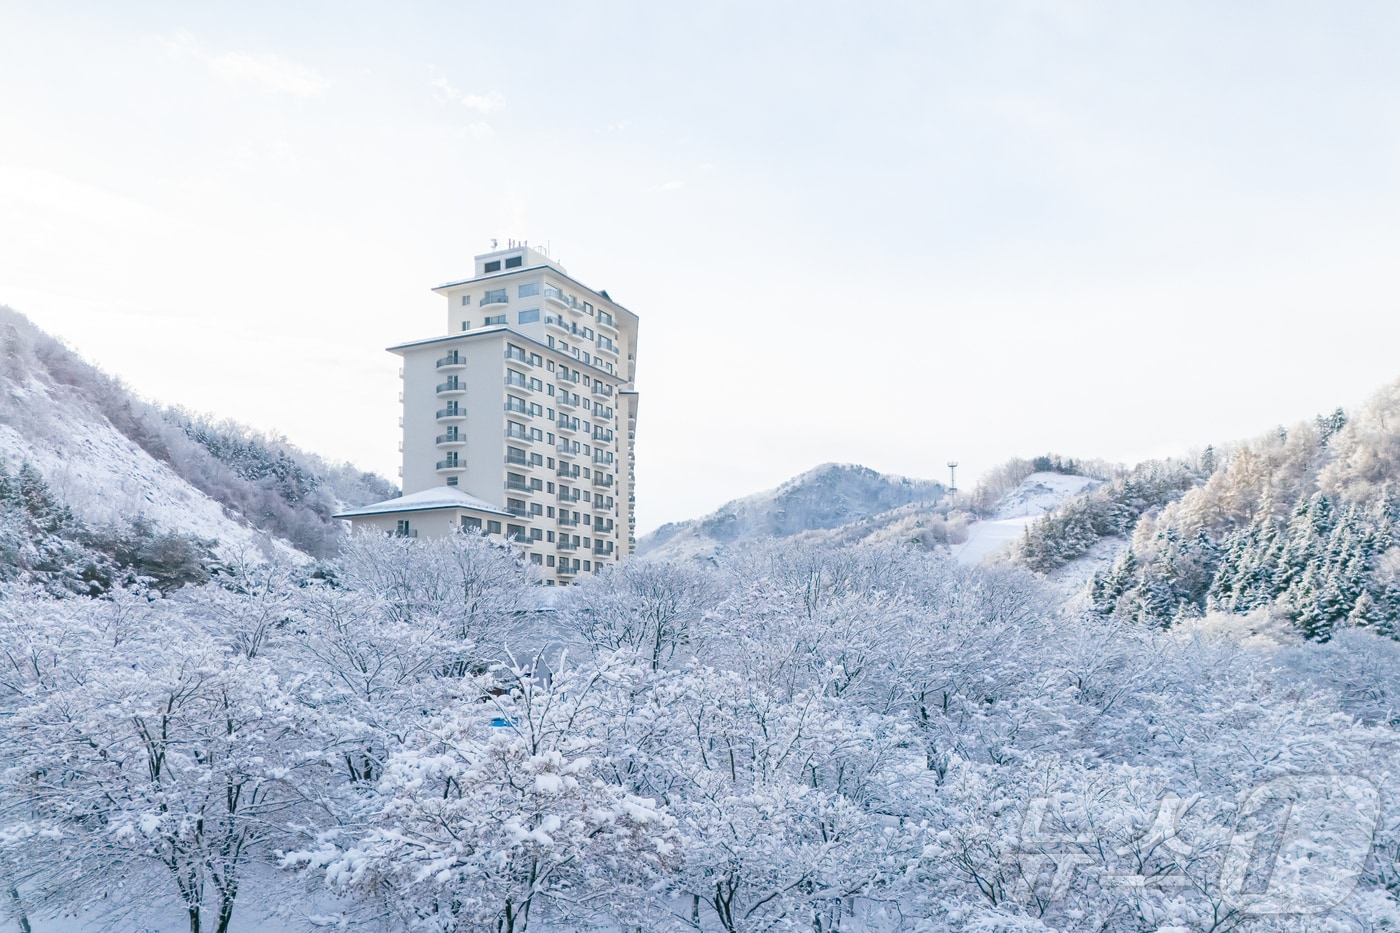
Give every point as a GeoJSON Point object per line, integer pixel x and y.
{"type": "Point", "coordinates": [1037, 494]}
{"type": "Point", "coordinates": [104, 477]}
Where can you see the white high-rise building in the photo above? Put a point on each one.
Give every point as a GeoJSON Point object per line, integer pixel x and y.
{"type": "Point", "coordinates": [522, 418]}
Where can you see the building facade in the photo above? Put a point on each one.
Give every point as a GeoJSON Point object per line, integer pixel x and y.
{"type": "Point", "coordinates": [528, 406]}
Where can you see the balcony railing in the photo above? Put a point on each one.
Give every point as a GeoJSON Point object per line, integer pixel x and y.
{"type": "Point", "coordinates": [447, 414]}
{"type": "Point", "coordinates": [567, 521]}
{"type": "Point", "coordinates": [450, 464]}
{"type": "Point", "coordinates": [517, 461]}
{"type": "Point", "coordinates": [518, 512]}
{"type": "Point", "coordinates": [517, 486]}
{"type": "Point", "coordinates": [517, 410]}
{"type": "Point", "coordinates": [445, 440]}
{"type": "Point", "coordinates": [565, 449]}
{"type": "Point", "coordinates": [450, 360]}
{"type": "Point", "coordinates": [494, 298]}
{"type": "Point", "coordinates": [602, 479]}
{"type": "Point", "coordinates": [567, 546]}
{"type": "Point", "coordinates": [566, 495]}
{"type": "Point", "coordinates": [565, 469]}
{"type": "Point", "coordinates": [450, 387]}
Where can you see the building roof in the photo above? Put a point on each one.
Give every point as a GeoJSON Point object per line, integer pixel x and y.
{"type": "Point", "coordinates": [442, 497]}
{"type": "Point", "coordinates": [555, 269]}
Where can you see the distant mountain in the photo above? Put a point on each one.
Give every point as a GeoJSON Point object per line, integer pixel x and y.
{"type": "Point", "coordinates": [827, 497]}
{"type": "Point", "coordinates": [78, 440]}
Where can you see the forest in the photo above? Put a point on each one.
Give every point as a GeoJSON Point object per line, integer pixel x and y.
{"type": "Point", "coordinates": [851, 738]}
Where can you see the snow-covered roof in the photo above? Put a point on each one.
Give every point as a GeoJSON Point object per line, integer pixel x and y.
{"type": "Point", "coordinates": [443, 497]}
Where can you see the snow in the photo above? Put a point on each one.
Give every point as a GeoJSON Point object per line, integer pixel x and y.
{"type": "Point", "coordinates": [1037, 494]}
{"type": "Point", "coordinates": [443, 497]}
{"type": "Point", "coordinates": [104, 477]}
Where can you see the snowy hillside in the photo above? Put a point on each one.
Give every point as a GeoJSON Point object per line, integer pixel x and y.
{"type": "Point", "coordinates": [829, 496]}
{"type": "Point", "coordinates": [114, 460]}
{"type": "Point", "coordinates": [1038, 494]}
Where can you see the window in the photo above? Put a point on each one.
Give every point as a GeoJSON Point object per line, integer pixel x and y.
{"type": "Point", "coordinates": [516, 379]}
{"type": "Point", "coordinates": [587, 565]}
{"type": "Point", "coordinates": [536, 359]}
{"type": "Point", "coordinates": [515, 353]}
{"type": "Point", "coordinates": [588, 309]}
{"type": "Point", "coordinates": [515, 531]}
{"type": "Point", "coordinates": [493, 320]}
{"type": "Point", "coordinates": [604, 317]}
{"type": "Point", "coordinates": [401, 527]}
{"type": "Point", "coordinates": [466, 301]}
{"type": "Point", "coordinates": [492, 266]}
{"type": "Point", "coordinates": [529, 317]}
{"type": "Point", "coordinates": [537, 559]}
{"type": "Point", "coordinates": [466, 325]}
{"type": "Point", "coordinates": [452, 481]}
{"type": "Point", "coordinates": [549, 560]}
{"type": "Point", "coordinates": [535, 507]}
{"type": "Point", "coordinates": [535, 409]}
{"type": "Point", "coordinates": [528, 290]}
{"type": "Point", "coordinates": [493, 528]}
{"type": "Point", "coordinates": [536, 384]}
{"type": "Point", "coordinates": [515, 262]}
{"type": "Point", "coordinates": [472, 524]}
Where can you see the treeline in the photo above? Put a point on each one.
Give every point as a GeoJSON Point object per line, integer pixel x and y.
{"type": "Point", "coordinates": [43, 544]}
{"type": "Point", "coordinates": [1113, 508]}
{"type": "Point", "coordinates": [267, 482]}
{"type": "Point", "coordinates": [1301, 523]}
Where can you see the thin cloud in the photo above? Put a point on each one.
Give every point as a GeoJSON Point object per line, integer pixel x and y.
{"type": "Point", "coordinates": [490, 102]}
{"type": "Point", "coordinates": [664, 186]}
{"type": "Point", "coordinates": [272, 72]}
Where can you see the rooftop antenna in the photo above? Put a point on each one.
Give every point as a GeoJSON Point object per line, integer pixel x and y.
{"type": "Point", "coordinates": [952, 478]}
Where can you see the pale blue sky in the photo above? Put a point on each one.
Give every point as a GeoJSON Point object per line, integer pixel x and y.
{"type": "Point", "coordinates": [894, 234]}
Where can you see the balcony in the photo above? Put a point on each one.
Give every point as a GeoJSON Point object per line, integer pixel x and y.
{"type": "Point", "coordinates": [517, 486]}
{"type": "Point", "coordinates": [518, 512]}
{"type": "Point", "coordinates": [449, 439]}
{"type": "Point", "coordinates": [450, 387]}
{"type": "Point", "coordinates": [565, 449]}
{"type": "Point", "coordinates": [604, 348]}
{"type": "Point", "coordinates": [567, 521]}
{"type": "Point", "coordinates": [555, 295]}
{"type": "Point", "coordinates": [494, 298]}
{"type": "Point", "coordinates": [565, 495]}
{"type": "Point", "coordinates": [565, 424]}
{"type": "Point", "coordinates": [565, 469]}
{"type": "Point", "coordinates": [602, 479]}
{"type": "Point", "coordinates": [450, 414]}
{"type": "Point", "coordinates": [566, 546]}
{"type": "Point", "coordinates": [518, 461]}
{"type": "Point", "coordinates": [520, 385]}
{"type": "Point", "coordinates": [602, 389]}
{"type": "Point", "coordinates": [450, 465]}
{"type": "Point", "coordinates": [518, 438]}
{"type": "Point", "coordinates": [453, 360]}
{"type": "Point", "coordinates": [520, 411]}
